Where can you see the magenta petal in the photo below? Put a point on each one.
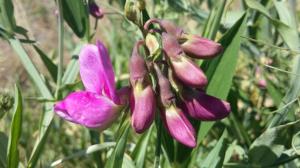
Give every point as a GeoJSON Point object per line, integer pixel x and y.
{"type": "Point", "coordinates": [166, 25]}
{"type": "Point", "coordinates": [88, 109]}
{"type": "Point", "coordinates": [198, 47]}
{"type": "Point", "coordinates": [179, 126]}
{"type": "Point", "coordinates": [205, 107]}
{"type": "Point", "coordinates": [96, 70]}
{"type": "Point", "coordinates": [188, 73]}
{"type": "Point", "coordinates": [143, 109]}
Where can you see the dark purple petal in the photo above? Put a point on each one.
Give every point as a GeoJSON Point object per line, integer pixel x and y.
{"type": "Point", "coordinates": [95, 10]}
{"type": "Point", "coordinates": [88, 109]}
{"type": "Point", "coordinates": [205, 107]}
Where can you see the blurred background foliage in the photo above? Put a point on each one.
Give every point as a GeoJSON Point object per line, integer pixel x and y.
{"type": "Point", "coordinates": [261, 39]}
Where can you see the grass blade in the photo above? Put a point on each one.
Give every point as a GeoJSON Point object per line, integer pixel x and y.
{"type": "Point", "coordinates": [15, 131]}
{"type": "Point", "coordinates": [139, 152]}
{"type": "Point", "coordinates": [30, 68]}
{"type": "Point", "coordinates": [214, 20]}
{"type": "Point", "coordinates": [91, 149]}
{"type": "Point", "coordinates": [51, 67]}
{"type": "Point", "coordinates": [116, 158]}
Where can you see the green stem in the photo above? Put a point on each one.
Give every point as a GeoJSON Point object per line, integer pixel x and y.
{"type": "Point", "coordinates": [158, 145]}
{"type": "Point", "coordinates": [60, 47]}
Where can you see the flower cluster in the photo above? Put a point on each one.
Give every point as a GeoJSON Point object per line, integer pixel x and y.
{"type": "Point", "coordinates": [165, 80]}
{"type": "Point", "coordinates": [179, 82]}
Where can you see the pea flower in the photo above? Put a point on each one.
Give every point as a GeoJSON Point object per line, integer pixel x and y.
{"type": "Point", "coordinates": [204, 107]}
{"type": "Point", "coordinates": [184, 69]}
{"type": "Point", "coordinates": [99, 105]}
{"type": "Point", "coordinates": [142, 101]}
{"type": "Point", "coordinates": [173, 117]}
{"type": "Point", "coordinates": [198, 47]}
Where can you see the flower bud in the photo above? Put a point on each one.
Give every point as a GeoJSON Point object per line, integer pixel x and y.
{"type": "Point", "coordinates": [6, 103]}
{"type": "Point", "coordinates": [142, 105]}
{"type": "Point", "coordinates": [142, 101]}
{"type": "Point", "coordinates": [179, 126]}
{"type": "Point", "coordinates": [95, 10]}
{"type": "Point", "coordinates": [185, 70]}
{"type": "Point", "coordinates": [166, 95]}
{"type": "Point", "coordinates": [132, 11]}
{"type": "Point", "coordinates": [204, 107]}
{"type": "Point", "coordinates": [198, 47]}
{"type": "Point", "coordinates": [166, 25]}
{"type": "Point", "coordinates": [138, 69]}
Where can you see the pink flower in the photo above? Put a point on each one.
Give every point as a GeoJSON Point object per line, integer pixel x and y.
{"type": "Point", "coordinates": [173, 117]}
{"type": "Point", "coordinates": [199, 47]}
{"type": "Point", "coordinates": [204, 107]}
{"type": "Point", "coordinates": [185, 70]}
{"type": "Point", "coordinates": [142, 100]}
{"type": "Point", "coordinates": [99, 105]}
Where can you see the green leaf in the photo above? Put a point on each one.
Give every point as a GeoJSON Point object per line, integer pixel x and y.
{"type": "Point", "coordinates": [268, 147]}
{"type": "Point", "coordinates": [216, 156]}
{"type": "Point", "coordinates": [213, 22]}
{"type": "Point", "coordinates": [128, 162]}
{"type": "Point", "coordinates": [115, 160]}
{"type": "Point", "coordinates": [220, 70]}
{"type": "Point", "coordinates": [51, 67]}
{"type": "Point", "coordinates": [91, 149]}
{"type": "Point", "coordinates": [30, 68]}
{"type": "Point", "coordinates": [139, 152]}
{"type": "Point", "coordinates": [274, 92]}
{"type": "Point", "coordinates": [69, 77]}
{"type": "Point", "coordinates": [76, 15]}
{"type": "Point", "coordinates": [15, 131]}
{"type": "Point", "coordinates": [7, 19]}
{"type": "Point", "coordinates": [3, 149]}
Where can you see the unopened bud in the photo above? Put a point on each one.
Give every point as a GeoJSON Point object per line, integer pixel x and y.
{"type": "Point", "coordinates": [95, 10]}
{"type": "Point", "coordinates": [198, 47]}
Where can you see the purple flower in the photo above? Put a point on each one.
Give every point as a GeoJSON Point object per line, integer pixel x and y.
{"type": "Point", "coordinates": [95, 10]}
{"type": "Point", "coordinates": [142, 100]}
{"type": "Point", "coordinates": [198, 47]}
{"type": "Point", "coordinates": [185, 70]}
{"type": "Point", "coordinates": [99, 105]}
{"type": "Point", "coordinates": [203, 107]}
{"type": "Point", "coordinates": [179, 126]}
{"type": "Point", "coordinates": [173, 118]}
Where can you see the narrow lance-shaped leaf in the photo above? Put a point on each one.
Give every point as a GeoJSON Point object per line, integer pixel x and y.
{"type": "Point", "coordinates": [51, 67]}
{"type": "Point", "coordinates": [15, 132]}
{"type": "Point", "coordinates": [76, 15]}
{"type": "Point", "coordinates": [115, 160]}
{"type": "Point", "coordinates": [7, 19]}
{"type": "Point", "coordinates": [69, 77]}
{"type": "Point", "coordinates": [214, 20]}
{"type": "Point", "coordinates": [216, 156]}
{"type": "Point", "coordinates": [220, 70]}
{"type": "Point", "coordinates": [140, 150]}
